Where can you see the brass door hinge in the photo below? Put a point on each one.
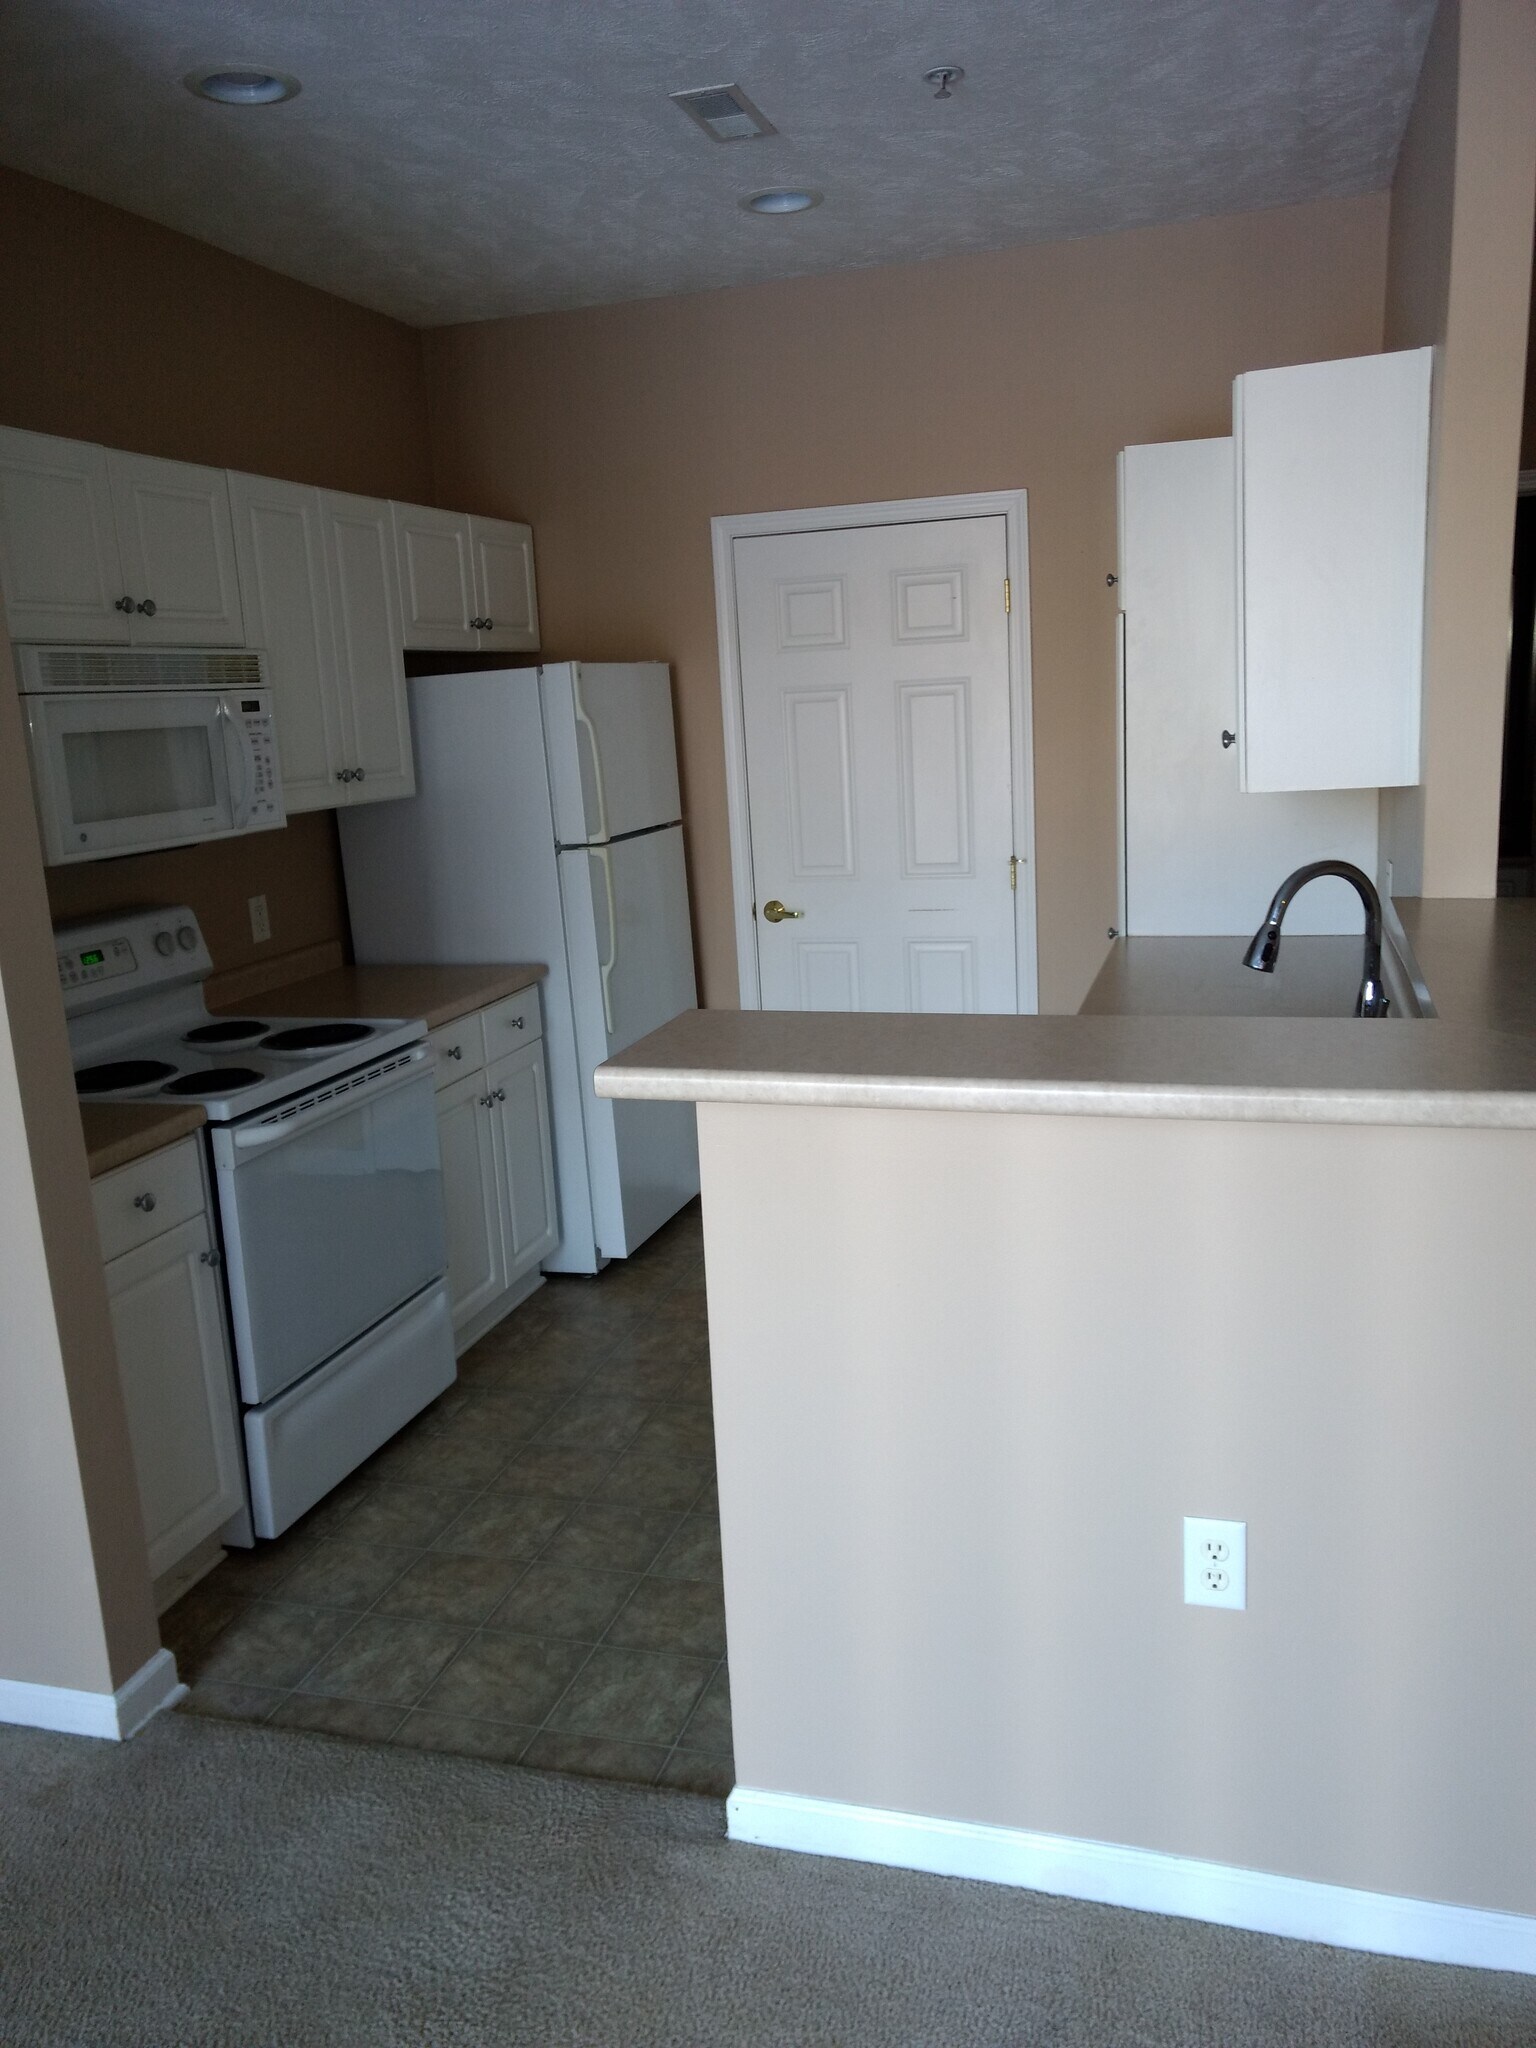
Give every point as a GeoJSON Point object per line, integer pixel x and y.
{"type": "Point", "coordinates": [1007, 593]}
{"type": "Point", "coordinates": [1013, 871]}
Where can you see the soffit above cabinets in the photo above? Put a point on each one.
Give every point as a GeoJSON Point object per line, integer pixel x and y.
{"type": "Point", "coordinates": [473, 160]}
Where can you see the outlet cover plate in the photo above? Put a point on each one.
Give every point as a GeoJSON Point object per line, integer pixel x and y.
{"type": "Point", "coordinates": [261, 923]}
{"type": "Point", "coordinates": [1215, 1562]}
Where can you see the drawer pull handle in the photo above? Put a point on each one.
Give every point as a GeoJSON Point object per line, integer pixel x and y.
{"type": "Point", "coordinates": [514, 1023]}
{"type": "Point", "coordinates": [453, 1052]}
{"type": "Point", "coordinates": [144, 1202]}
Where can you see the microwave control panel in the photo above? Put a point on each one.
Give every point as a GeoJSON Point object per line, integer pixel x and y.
{"type": "Point", "coordinates": [255, 715]}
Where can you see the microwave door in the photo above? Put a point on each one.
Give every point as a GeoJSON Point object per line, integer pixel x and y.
{"type": "Point", "coordinates": [134, 772]}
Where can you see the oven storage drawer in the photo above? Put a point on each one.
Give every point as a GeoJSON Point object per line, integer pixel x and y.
{"type": "Point", "coordinates": [150, 1196]}
{"type": "Point", "coordinates": [306, 1441]}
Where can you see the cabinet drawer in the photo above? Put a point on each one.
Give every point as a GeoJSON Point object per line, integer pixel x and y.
{"type": "Point", "coordinates": [512, 1022]}
{"type": "Point", "coordinates": [459, 1047]}
{"type": "Point", "coordinates": [152, 1195]}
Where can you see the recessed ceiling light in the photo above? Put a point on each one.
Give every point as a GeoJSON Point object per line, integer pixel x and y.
{"type": "Point", "coordinates": [780, 202]}
{"type": "Point", "coordinates": [240, 85]}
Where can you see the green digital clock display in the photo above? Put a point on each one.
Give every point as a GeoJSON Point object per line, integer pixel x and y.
{"type": "Point", "coordinates": [92, 959]}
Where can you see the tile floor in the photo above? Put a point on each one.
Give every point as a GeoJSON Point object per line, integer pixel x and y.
{"type": "Point", "coordinates": [529, 1571]}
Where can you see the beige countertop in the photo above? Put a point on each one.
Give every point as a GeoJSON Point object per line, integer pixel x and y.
{"type": "Point", "coordinates": [118, 1132]}
{"type": "Point", "coordinates": [438, 994]}
{"type": "Point", "coordinates": [1473, 1065]}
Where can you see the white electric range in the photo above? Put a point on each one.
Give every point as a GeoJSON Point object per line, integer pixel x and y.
{"type": "Point", "coordinates": [322, 1141]}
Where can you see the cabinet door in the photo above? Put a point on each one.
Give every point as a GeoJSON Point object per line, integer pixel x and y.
{"type": "Point", "coordinates": [477, 1270]}
{"type": "Point", "coordinates": [437, 585]}
{"type": "Point", "coordinates": [504, 587]}
{"type": "Point", "coordinates": [167, 1317]}
{"type": "Point", "coordinates": [1333, 463]}
{"type": "Point", "coordinates": [59, 571]}
{"type": "Point", "coordinates": [365, 614]}
{"type": "Point", "coordinates": [178, 551]}
{"type": "Point", "coordinates": [530, 1223]}
{"type": "Point", "coordinates": [280, 550]}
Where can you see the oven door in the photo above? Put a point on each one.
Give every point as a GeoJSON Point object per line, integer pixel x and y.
{"type": "Point", "coordinates": [332, 1212]}
{"type": "Point", "coordinates": [137, 769]}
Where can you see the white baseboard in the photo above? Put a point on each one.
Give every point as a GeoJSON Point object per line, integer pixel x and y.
{"type": "Point", "coordinates": [1141, 1878]}
{"type": "Point", "coordinates": [112, 1715]}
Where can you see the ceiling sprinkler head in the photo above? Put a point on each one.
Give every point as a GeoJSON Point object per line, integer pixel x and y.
{"type": "Point", "coordinates": [941, 78]}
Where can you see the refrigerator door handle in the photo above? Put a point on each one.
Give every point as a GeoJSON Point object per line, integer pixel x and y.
{"type": "Point", "coordinates": [597, 764]}
{"type": "Point", "coordinates": [605, 860]}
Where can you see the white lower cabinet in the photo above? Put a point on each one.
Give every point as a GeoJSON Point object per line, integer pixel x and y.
{"type": "Point", "coordinates": [498, 1165]}
{"type": "Point", "coordinates": [172, 1350]}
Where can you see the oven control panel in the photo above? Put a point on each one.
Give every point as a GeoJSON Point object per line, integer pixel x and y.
{"type": "Point", "coordinates": [103, 959]}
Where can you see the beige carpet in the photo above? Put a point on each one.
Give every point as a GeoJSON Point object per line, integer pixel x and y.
{"type": "Point", "coordinates": [214, 1883]}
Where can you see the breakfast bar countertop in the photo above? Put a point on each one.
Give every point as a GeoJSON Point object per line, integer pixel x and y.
{"type": "Point", "coordinates": [117, 1133]}
{"type": "Point", "coordinates": [1473, 1065]}
{"type": "Point", "coordinates": [437, 994]}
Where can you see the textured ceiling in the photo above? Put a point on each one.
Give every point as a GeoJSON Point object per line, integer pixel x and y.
{"type": "Point", "coordinates": [470, 158]}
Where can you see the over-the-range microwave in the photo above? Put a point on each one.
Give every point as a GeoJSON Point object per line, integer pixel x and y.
{"type": "Point", "coordinates": [138, 748]}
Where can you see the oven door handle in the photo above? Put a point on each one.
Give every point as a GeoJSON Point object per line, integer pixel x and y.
{"type": "Point", "coordinates": [251, 1137]}
{"type": "Point", "coordinates": [238, 750]}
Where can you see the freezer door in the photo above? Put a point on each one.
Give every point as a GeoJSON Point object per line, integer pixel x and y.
{"type": "Point", "coordinates": [631, 962]}
{"type": "Point", "coordinates": [611, 750]}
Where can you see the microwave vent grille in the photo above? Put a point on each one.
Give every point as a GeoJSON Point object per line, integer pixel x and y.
{"type": "Point", "coordinates": [154, 668]}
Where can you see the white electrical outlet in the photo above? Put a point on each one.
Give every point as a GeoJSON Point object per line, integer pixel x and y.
{"type": "Point", "coordinates": [1215, 1563]}
{"type": "Point", "coordinates": [261, 924]}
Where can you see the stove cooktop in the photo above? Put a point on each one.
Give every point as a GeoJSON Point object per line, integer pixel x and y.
{"type": "Point", "coordinates": [236, 1065]}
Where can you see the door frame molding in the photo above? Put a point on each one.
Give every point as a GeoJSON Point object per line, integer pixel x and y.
{"type": "Point", "coordinates": [725, 531]}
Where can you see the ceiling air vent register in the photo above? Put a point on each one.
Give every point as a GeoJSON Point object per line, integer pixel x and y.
{"type": "Point", "coordinates": [724, 113]}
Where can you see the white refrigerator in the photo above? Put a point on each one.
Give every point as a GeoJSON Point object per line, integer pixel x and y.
{"type": "Point", "coordinates": [546, 826]}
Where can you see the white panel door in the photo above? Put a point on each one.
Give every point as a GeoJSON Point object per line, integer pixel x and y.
{"type": "Point", "coordinates": [526, 1179]}
{"type": "Point", "coordinates": [365, 613]}
{"type": "Point", "coordinates": [505, 593]}
{"type": "Point", "coordinates": [471, 1198]}
{"type": "Point", "coordinates": [437, 588]}
{"type": "Point", "coordinates": [875, 680]}
{"type": "Point", "coordinates": [1200, 856]}
{"type": "Point", "coordinates": [1333, 463]}
{"type": "Point", "coordinates": [177, 543]}
{"type": "Point", "coordinates": [60, 576]}
{"type": "Point", "coordinates": [168, 1322]}
{"type": "Point", "coordinates": [280, 549]}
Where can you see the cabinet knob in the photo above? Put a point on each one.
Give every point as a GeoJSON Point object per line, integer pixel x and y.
{"type": "Point", "coordinates": [514, 1023]}
{"type": "Point", "coordinates": [209, 1258]}
{"type": "Point", "coordinates": [501, 1094]}
{"type": "Point", "coordinates": [1228, 739]}
{"type": "Point", "coordinates": [147, 607]}
{"type": "Point", "coordinates": [453, 1052]}
{"type": "Point", "coordinates": [358, 774]}
{"type": "Point", "coordinates": [144, 1202]}
{"type": "Point", "coordinates": [486, 625]}
{"type": "Point", "coordinates": [122, 604]}
{"type": "Point", "coordinates": [487, 1101]}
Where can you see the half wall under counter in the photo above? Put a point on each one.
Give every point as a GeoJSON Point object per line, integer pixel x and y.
{"type": "Point", "coordinates": [994, 1304]}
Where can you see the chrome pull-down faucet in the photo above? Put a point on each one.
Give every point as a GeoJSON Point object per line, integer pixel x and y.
{"type": "Point", "coordinates": [1264, 949]}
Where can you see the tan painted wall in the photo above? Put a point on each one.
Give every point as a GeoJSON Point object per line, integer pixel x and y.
{"type": "Point", "coordinates": [619, 431]}
{"type": "Point", "coordinates": [75, 1608]}
{"type": "Point", "coordinates": [1459, 278]}
{"type": "Point", "coordinates": [991, 1365]}
{"type": "Point", "coordinates": [131, 335]}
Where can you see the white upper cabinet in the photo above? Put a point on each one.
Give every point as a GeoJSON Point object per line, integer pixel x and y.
{"type": "Point", "coordinates": [437, 593]}
{"type": "Point", "coordinates": [365, 616]}
{"type": "Point", "coordinates": [60, 575]}
{"type": "Point", "coordinates": [100, 546]}
{"type": "Point", "coordinates": [177, 547]}
{"type": "Point", "coordinates": [1332, 494]}
{"type": "Point", "coordinates": [504, 585]}
{"type": "Point", "coordinates": [280, 550]}
{"type": "Point", "coordinates": [465, 581]}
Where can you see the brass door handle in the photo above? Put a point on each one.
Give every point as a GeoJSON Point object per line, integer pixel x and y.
{"type": "Point", "coordinates": [775, 912]}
